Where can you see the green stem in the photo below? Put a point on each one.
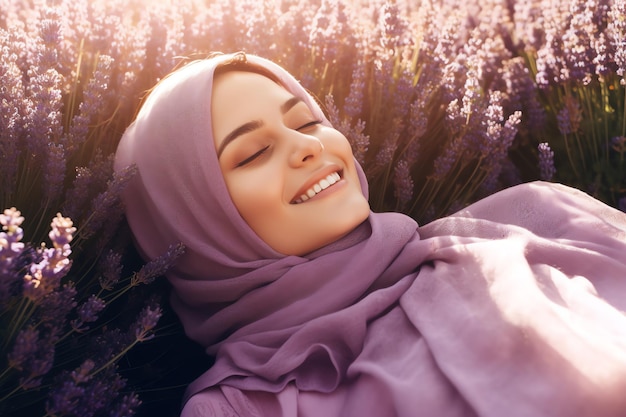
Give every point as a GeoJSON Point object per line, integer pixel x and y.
{"type": "Point", "coordinates": [115, 358]}
{"type": "Point", "coordinates": [16, 389]}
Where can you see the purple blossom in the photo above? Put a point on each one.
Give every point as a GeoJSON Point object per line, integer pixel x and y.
{"type": "Point", "coordinates": [108, 201]}
{"type": "Point", "coordinates": [355, 134]}
{"type": "Point", "coordinates": [88, 181]}
{"type": "Point", "coordinates": [111, 269]}
{"type": "Point", "coordinates": [446, 160]}
{"type": "Point", "coordinates": [329, 31]}
{"type": "Point", "coordinates": [83, 372]}
{"type": "Point", "coordinates": [11, 109]}
{"type": "Point", "coordinates": [54, 309]}
{"type": "Point", "coordinates": [403, 183]}
{"type": "Point", "coordinates": [77, 195]}
{"type": "Point", "coordinates": [359, 140]}
{"type": "Point", "coordinates": [570, 116]}
{"type": "Point", "coordinates": [54, 171]}
{"type": "Point", "coordinates": [64, 399]}
{"type": "Point", "coordinates": [62, 232]}
{"type": "Point", "coordinates": [84, 392]}
{"type": "Point", "coordinates": [354, 101]}
{"type": "Point", "coordinates": [126, 406]}
{"type": "Point", "coordinates": [159, 266]}
{"type": "Point", "coordinates": [403, 94]}
{"type": "Point", "coordinates": [387, 150]}
{"type": "Point", "coordinates": [44, 277]}
{"type": "Point", "coordinates": [577, 49]}
{"type": "Point", "coordinates": [43, 111]}
{"type": "Point", "coordinates": [499, 150]}
{"type": "Point", "coordinates": [12, 234]}
{"type": "Point", "coordinates": [95, 93]}
{"type": "Point", "coordinates": [472, 89]}
{"type": "Point", "coordinates": [522, 94]}
{"type": "Point", "coordinates": [11, 250]}
{"type": "Point", "coordinates": [146, 322]}
{"type": "Point", "coordinates": [392, 28]}
{"type": "Point", "coordinates": [616, 32]}
{"type": "Point", "coordinates": [546, 162]}
{"type": "Point", "coordinates": [88, 313]}
{"type": "Point", "coordinates": [418, 123]}
{"type": "Point", "coordinates": [32, 355]}
{"type": "Point", "coordinates": [51, 35]}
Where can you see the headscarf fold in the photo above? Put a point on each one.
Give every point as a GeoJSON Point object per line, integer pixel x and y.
{"type": "Point", "coordinates": [271, 320]}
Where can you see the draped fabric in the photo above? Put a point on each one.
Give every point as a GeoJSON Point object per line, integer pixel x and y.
{"type": "Point", "coordinates": [514, 306]}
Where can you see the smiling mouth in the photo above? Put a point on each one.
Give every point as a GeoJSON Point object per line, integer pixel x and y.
{"type": "Point", "coordinates": [321, 185]}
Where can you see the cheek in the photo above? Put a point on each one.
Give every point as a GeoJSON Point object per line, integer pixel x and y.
{"type": "Point", "coordinates": [257, 196]}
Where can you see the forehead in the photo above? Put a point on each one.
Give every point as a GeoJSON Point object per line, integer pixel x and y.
{"type": "Point", "coordinates": [231, 85]}
{"type": "Point", "coordinates": [241, 96]}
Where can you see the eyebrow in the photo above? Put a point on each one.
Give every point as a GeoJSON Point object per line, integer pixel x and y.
{"type": "Point", "coordinates": [253, 125]}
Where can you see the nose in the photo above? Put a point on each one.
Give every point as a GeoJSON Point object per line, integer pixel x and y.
{"type": "Point", "coordinates": [304, 149]}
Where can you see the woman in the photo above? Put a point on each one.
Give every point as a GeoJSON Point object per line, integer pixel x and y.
{"type": "Point", "coordinates": [314, 306]}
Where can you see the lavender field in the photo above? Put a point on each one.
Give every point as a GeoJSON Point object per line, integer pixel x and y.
{"type": "Point", "coordinates": [444, 102]}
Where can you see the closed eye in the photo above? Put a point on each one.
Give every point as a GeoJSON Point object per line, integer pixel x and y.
{"type": "Point", "coordinates": [252, 157]}
{"type": "Point", "coordinates": [307, 125]}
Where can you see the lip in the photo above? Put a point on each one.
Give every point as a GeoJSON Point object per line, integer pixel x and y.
{"type": "Point", "coordinates": [315, 178]}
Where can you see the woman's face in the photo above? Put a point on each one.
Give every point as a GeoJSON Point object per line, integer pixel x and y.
{"type": "Point", "coordinates": [292, 179]}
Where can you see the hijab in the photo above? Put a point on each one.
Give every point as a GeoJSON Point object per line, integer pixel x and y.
{"type": "Point", "coordinates": [507, 301]}
{"type": "Point", "coordinates": [267, 314]}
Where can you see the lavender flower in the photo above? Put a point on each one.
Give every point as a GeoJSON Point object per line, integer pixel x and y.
{"type": "Point", "coordinates": [88, 313]}
{"type": "Point", "coordinates": [577, 46]}
{"type": "Point", "coordinates": [83, 372]}
{"type": "Point", "coordinates": [111, 267]}
{"type": "Point", "coordinates": [159, 266]}
{"type": "Point", "coordinates": [126, 406]}
{"type": "Point", "coordinates": [570, 116]}
{"type": "Point", "coordinates": [11, 108]}
{"type": "Point", "coordinates": [61, 233]}
{"type": "Point", "coordinates": [386, 152]}
{"type": "Point", "coordinates": [54, 171]}
{"type": "Point", "coordinates": [392, 28]}
{"type": "Point", "coordinates": [108, 201]}
{"type": "Point", "coordinates": [84, 391]}
{"type": "Point", "coordinates": [354, 101]}
{"type": "Point", "coordinates": [32, 355]}
{"type": "Point", "coordinates": [403, 183]}
{"type": "Point", "coordinates": [147, 320]}
{"type": "Point", "coordinates": [329, 33]}
{"type": "Point", "coordinates": [10, 245]}
{"type": "Point", "coordinates": [45, 276]}
{"type": "Point", "coordinates": [94, 94]}
{"type": "Point", "coordinates": [359, 140]}
{"type": "Point", "coordinates": [65, 398]}
{"type": "Point", "coordinates": [546, 162]}
{"type": "Point", "coordinates": [616, 32]}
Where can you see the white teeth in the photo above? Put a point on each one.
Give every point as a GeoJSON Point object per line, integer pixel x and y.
{"type": "Point", "coordinates": [323, 184]}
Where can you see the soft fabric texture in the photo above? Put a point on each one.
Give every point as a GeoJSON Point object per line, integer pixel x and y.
{"type": "Point", "coordinates": [513, 306]}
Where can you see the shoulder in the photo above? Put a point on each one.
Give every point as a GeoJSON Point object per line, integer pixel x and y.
{"type": "Point", "coordinates": [225, 401]}
{"type": "Point", "coordinates": [209, 403]}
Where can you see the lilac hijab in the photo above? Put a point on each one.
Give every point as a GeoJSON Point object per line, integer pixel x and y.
{"type": "Point", "coordinates": [513, 306]}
